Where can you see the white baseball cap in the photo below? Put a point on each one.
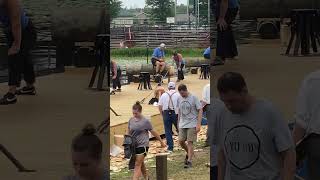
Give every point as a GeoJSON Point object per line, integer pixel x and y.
{"type": "Point", "coordinates": [171, 85]}
{"type": "Point", "coordinates": [162, 45]}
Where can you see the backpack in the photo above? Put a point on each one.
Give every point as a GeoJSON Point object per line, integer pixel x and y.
{"type": "Point", "coordinates": [153, 100]}
{"type": "Point", "coordinates": [129, 146]}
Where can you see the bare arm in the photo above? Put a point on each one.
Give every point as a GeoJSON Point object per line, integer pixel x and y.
{"type": "Point", "coordinates": [223, 8]}
{"type": "Point", "coordinates": [199, 119]}
{"type": "Point", "coordinates": [155, 134]}
{"type": "Point", "coordinates": [160, 109]}
{"type": "Point", "coordinates": [289, 164]}
{"type": "Point", "coordinates": [15, 19]}
{"type": "Point", "coordinates": [221, 164]}
{"type": "Point", "coordinates": [298, 133]}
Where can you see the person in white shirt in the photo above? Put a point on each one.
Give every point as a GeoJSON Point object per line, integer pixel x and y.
{"type": "Point", "coordinates": [206, 95]}
{"type": "Point", "coordinates": [206, 103]}
{"type": "Point", "coordinates": [168, 110]}
{"type": "Point", "coordinates": [307, 126]}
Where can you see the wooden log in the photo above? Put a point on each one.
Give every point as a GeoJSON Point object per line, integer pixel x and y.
{"type": "Point", "coordinates": [136, 69]}
{"type": "Point", "coordinates": [197, 62]}
{"type": "Point", "coordinates": [161, 167]}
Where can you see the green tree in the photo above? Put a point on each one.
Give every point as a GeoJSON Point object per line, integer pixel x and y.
{"type": "Point", "coordinates": [203, 10]}
{"type": "Point", "coordinates": [115, 7]}
{"type": "Point", "coordinates": [160, 9]}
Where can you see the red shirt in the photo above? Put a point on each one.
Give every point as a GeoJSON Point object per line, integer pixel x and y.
{"type": "Point", "coordinates": [178, 57]}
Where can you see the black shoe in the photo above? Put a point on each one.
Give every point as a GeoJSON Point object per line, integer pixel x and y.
{"type": "Point", "coordinates": [26, 91]}
{"type": "Point", "coordinates": [186, 160]}
{"type": "Point", "coordinates": [188, 165]}
{"type": "Point", "coordinates": [218, 61]}
{"type": "Point", "coordinates": [8, 98]}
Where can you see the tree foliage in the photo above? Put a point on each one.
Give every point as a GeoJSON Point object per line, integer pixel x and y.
{"type": "Point", "coordinates": [160, 9]}
{"type": "Point", "coordinates": [115, 7]}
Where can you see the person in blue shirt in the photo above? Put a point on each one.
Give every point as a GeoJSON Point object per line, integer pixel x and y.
{"type": "Point", "coordinates": [21, 37]}
{"type": "Point", "coordinates": [158, 58]}
{"type": "Point", "coordinates": [206, 53]}
{"type": "Point", "coordinates": [226, 12]}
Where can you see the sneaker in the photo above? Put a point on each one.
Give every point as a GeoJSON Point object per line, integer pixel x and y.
{"type": "Point", "coordinates": [186, 160]}
{"type": "Point", "coordinates": [118, 90]}
{"type": "Point", "coordinates": [26, 91]}
{"type": "Point", "coordinates": [188, 165]}
{"type": "Point", "coordinates": [8, 98]}
{"type": "Point", "coordinates": [217, 61]}
{"type": "Point", "coordinates": [170, 151]}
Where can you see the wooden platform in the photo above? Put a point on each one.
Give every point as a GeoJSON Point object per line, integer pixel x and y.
{"type": "Point", "coordinates": [122, 103]}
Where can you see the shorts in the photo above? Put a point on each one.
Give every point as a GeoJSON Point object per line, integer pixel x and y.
{"type": "Point", "coordinates": [142, 151]}
{"type": "Point", "coordinates": [188, 134]}
{"type": "Point", "coordinates": [153, 61]}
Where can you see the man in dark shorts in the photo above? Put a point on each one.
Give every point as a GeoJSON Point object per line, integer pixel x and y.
{"type": "Point", "coordinates": [158, 58]}
{"type": "Point", "coordinates": [116, 75]}
{"type": "Point", "coordinates": [253, 138]}
{"type": "Point", "coordinates": [21, 37]}
{"type": "Point", "coordinates": [225, 12]}
{"type": "Point", "coordinates": [180, 64]}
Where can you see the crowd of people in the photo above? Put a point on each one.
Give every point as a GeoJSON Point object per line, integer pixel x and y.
{"type": "Point", "coordinates": [180, 110]}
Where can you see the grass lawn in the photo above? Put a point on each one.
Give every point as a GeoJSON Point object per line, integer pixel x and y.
{"type": "Point", "coordinates": [175, 164]}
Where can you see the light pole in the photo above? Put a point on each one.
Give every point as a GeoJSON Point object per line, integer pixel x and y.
{"type": "Point", "coordinates": [209, 13]}
{"type": "Point", "coordinates": [175, 9]}
{"type": "Point", "coordinates": [198, 9]}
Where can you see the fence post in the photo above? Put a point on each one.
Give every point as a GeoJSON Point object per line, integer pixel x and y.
{"type": "Point", "coordinates": [161, 166]}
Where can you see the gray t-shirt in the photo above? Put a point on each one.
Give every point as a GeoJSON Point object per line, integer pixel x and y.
{"type": "Point", "coordinates": [139, 129]}
{"type": "Point", "coordinates": [308, 104]}
{"type": "Point", "coordinates": [188, 109]}
{"type": "Point", "coordinates": [252, 142]}
{"type": "Point", "coordinates": [212, 111]}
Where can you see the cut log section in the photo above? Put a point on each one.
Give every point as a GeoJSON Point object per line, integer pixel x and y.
{"type": "Point", "coordinates": [136, 69]}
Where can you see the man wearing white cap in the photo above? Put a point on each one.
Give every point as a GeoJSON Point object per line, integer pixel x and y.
{"type": "Point", "coordinates": [168, 110]}
{"type": "Point", "coordinates": [158, 58]}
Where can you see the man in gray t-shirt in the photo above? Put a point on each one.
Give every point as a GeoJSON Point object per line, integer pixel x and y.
{"type": "Point", "coordinates": [189, 121]}
{"type": "Point", "coordinates": [254, 141]}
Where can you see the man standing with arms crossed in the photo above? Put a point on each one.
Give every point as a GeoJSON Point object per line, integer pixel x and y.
{"type": "Point", "coordinates": [254, 140]}
{"type": "Point", "coordinates": [168, 110]}
{"type": "Point", "coordinates": [189, 121]}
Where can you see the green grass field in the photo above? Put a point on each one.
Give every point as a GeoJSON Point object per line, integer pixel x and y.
{"type": "Point", "coordinates": [175, 167]}
{"type": "Point", "coordinates": [142, 52]}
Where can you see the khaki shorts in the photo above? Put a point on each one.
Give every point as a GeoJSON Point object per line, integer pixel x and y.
{"type": "Point", "coordinates": [188, 134]}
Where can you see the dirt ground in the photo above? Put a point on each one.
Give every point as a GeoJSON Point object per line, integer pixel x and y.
{"type": "Point", "coordinates": [38, 130]}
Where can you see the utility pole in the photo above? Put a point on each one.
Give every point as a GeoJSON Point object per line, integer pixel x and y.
{"type": "Point", "coordinates": [208, 13]}
{"type": "Point", "coordinates": [188, 12]}
{"type": "Point", "coordinates": [198, 9]}
{"type": "Point", "coordinates": [175, 8]}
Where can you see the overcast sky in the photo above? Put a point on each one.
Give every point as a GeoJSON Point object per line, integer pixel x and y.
{"type": "Point", "coordinates": [141, 3]}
